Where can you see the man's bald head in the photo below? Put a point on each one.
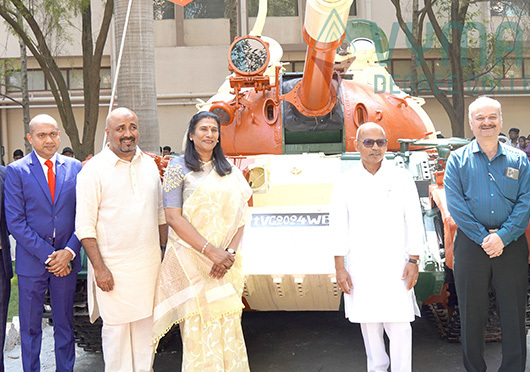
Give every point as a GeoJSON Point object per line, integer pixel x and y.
{"type": "Point", "coordinates": [364, 128]}
{"type": "Point", "coordinates": [122, 131]}
{"type": "Point", "coordinates": [44, 135]}
{"type": "Point", "coordinates": [41, 119]}
{"type": "Point", "coordinates": [371, 143]}
{"type": "Point", "coordinates": [120, 113]}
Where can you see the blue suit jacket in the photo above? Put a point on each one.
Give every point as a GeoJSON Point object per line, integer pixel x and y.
{"type": "Point", "coordinates": [5, 252]}
{"type": "Point", "coordinates": [31, 216]}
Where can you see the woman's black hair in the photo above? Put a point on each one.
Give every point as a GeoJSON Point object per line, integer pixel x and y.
{"type": "Point", "coordinates": [191, 156]}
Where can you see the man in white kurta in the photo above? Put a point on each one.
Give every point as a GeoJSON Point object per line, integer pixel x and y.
{"type": "Point", "coordinates": [377, 225]}
{"type": "Point", "coordinates": [119, 212]}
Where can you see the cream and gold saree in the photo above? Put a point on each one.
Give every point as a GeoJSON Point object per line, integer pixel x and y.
{"type": "Point", "coordinates": [207, 309]}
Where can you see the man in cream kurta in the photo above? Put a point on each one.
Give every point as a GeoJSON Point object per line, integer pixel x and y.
{"type": "Point", "coordinates": [119, 212]}
{"type": "Point", "coordinates": [377, 222]}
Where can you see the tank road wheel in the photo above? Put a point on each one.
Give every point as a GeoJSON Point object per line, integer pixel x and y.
{"type": "Point", "coordinates": [449, 328]}
{"type": "Point", "coordinates": [447, 320]}
{"type": "Point", "coordinates": [88, 335]}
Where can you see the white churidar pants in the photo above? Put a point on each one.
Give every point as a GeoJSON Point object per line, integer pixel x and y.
{"type": "Point", "coordinates": [400, 336]}
{"type": "Point", "coordinates": [126, 347]}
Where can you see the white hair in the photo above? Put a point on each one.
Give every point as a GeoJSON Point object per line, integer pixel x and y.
{"type": "Point", "coordinates": [483, 101]}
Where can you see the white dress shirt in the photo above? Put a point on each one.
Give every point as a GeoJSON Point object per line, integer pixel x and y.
{"type": "Point", "coordinates": [53, 159]}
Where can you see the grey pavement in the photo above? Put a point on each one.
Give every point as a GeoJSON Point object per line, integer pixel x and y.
{"type": "Point", "coordinates": [292, 342]}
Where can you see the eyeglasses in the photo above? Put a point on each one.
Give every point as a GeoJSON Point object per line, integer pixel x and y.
{"type": "Point", "coordinates": [369, 143]}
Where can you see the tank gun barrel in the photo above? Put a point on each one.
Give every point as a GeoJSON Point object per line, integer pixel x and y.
{"type": "Point", "coordinates": [324, 27]}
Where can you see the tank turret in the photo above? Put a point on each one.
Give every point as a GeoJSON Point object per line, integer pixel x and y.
{"type": "Point", "coordinates": [267, 111]}
{"type": "Point", "coordinates": [293, 133]}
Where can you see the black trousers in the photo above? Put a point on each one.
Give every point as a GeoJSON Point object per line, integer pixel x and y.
{"type": "Point", "coordinates": [5, 291]}
{"type": "Point", "coordinates": [507, 275]}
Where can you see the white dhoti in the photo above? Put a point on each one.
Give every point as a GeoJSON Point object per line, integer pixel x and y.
{"type": "Point", "coordinates": [400, 336]}
{"type": "Point", "coordinates": [127, 347]}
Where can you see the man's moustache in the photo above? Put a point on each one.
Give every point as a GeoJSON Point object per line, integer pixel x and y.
{"type": "Point", "coordinates": [127, 139]}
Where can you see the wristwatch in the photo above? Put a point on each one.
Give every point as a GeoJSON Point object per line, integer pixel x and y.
{"type": "Point", "coordinates": [230, 250]}
{"type": "Point", "coordinates": [414, 261]}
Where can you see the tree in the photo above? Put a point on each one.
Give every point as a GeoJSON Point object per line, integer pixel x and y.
{"type": "Point", "coordinates": [44, 19]}
{"type": "Point", "coordinates": [452, 40]}
{"type": "Point", "coordinates": [136, 80]}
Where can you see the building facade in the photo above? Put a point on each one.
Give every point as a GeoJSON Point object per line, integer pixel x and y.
{"type": "Point", "coordinates": [191, 45]}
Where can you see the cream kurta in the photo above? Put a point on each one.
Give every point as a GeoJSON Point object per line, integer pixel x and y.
{"type": "Point", "coordinates": [119, 203]}
{"type": "Point", "coordinates": [377, 223]}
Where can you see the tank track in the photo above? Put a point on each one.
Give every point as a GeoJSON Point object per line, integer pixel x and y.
{"type": "Point", "coordinates": [449, 329]}
{"type": "Point", "coordinates": [88, 335]}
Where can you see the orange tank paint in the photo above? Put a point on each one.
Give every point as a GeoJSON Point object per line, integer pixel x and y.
{"type": "Point", "coordinates": [315, 86]}
{"type": "Point", "coordinates": [252, 131]}
{"type": "Point", "coordinates": [398, 119]}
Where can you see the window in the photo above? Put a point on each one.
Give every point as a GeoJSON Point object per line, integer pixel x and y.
{"type": "Point", "coordinates": [106, 78]}
{"type": "Point", "coordinates": [507, 8]}
{"type": "Point", "coordinates": [275, 8]}
{"type": "Point", "coordinates": [506, 72]}
{"type": "Point", "coordinates": [14, 81]}
{"type": "Point", "coordinates": [206, 9]}
{"type": "Point", "coordinates": [353, 9]}
{"type": "Point", "coordinates": [511, 70]}
{"type": "Point", "coordinates": [163, 9]}
{"type": "Point", "coordinates": [526, 66]}
{"type": "Point", "coordinates": [442, 69]}
{"type": "Point", "coordinates": [36, 80]}
{"type": "Point", "coordinates": [75, 79]}
{"type": "Point", "coordinates": [294, 66]}
{"type": "Point", "coordinates": [401, 69]}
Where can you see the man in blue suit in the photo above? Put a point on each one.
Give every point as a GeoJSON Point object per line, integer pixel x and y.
{"type": "Point", "coordinates": [6, 269]}
{"type": "Point", "coordinates": [40, 213]}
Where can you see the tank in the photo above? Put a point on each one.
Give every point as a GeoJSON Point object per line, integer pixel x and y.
{"type": "Point", "coordinates": [293, 134]}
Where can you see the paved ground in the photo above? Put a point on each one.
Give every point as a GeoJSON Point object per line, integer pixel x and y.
{"type": "Point", "coordinates": [295, 341]}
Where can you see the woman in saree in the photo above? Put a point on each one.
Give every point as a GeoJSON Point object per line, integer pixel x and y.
{"type": "Point", "coordinates": [201, 279]}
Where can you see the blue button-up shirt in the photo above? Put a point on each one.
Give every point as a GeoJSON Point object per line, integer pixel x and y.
{"type": "Point", "coordinates": [481, 195]}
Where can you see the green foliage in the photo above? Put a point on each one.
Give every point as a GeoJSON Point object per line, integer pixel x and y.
{"type": "Point", "coordinates": [275, 8]}
{"type": "Point", "coordinates": [510, 8]}
{"type": "Point", "coordinates": [163, 9]}
{"type": "Point", "coordinates": [13, 300]}
{"type": "Point", "coordinates": [206, 9]}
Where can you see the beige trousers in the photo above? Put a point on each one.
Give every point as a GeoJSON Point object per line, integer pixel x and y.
{"type": "Point", "coordinates": [126, 347]}
{"type": "Point", "coordinates": [400, 337]}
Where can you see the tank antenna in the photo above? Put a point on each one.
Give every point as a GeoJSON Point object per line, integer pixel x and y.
{"type": "Point", "coordinates": [257, 30]}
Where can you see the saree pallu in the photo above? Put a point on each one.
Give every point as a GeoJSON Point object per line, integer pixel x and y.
{"type": "Point", "coordinates": [185, 291]}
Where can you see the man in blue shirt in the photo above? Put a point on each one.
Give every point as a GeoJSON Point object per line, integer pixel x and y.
{"type": "Point", "coordinates": [488, 195]}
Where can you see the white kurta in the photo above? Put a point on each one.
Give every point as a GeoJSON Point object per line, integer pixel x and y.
{"type": "Point", "coordinates": [119, 203]}
{"type": "Point", "coordinates": [376, 223]}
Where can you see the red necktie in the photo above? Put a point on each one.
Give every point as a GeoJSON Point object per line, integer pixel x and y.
{"type": "Point", "coordinates": [51, 178]}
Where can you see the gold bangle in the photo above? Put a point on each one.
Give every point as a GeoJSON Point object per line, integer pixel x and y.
{"type": "Point", "coordinates": [204, 246]}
